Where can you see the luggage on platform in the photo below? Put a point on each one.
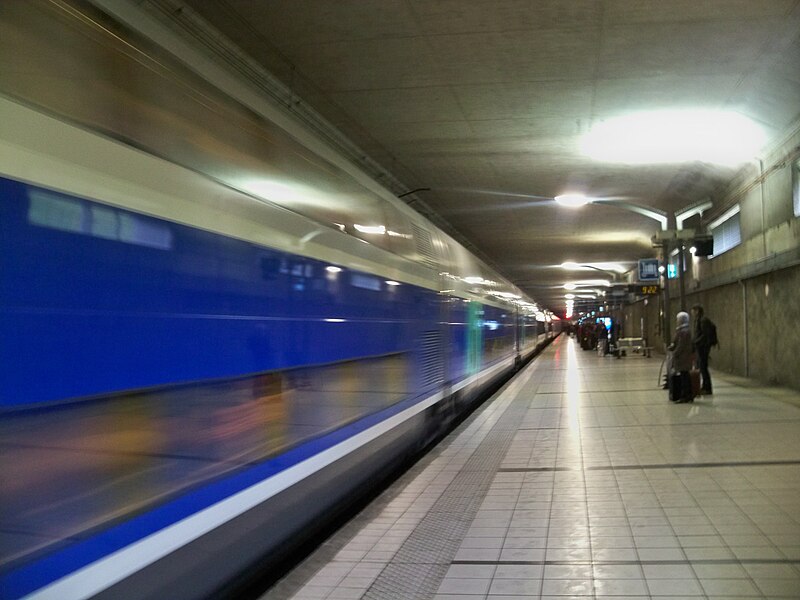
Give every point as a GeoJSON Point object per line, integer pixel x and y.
{"type": "Point", "coordinates": [694, 377]}
{"type": "Point", "coordinates": [682, 386]}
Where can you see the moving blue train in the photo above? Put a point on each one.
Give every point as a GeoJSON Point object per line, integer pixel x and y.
{"type": "Point", "coordinates": [216, 332]}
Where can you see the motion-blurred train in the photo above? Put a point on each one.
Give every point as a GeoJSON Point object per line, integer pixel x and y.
{"type": "Point", "coordinates": [215, 330]}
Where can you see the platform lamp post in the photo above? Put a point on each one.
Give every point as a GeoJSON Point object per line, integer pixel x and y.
{"type": "Point", "coordinates": [663, 238]}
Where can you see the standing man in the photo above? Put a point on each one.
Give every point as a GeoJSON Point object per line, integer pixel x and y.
{"type": "Point", "coordinates": [704, 336]}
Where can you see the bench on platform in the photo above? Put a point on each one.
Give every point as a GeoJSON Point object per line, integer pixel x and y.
{"type": "Point", "coordinates": [635, 345]}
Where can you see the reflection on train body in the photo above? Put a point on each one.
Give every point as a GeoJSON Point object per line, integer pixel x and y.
{"type": "Point", "coordinates": [109, 458]}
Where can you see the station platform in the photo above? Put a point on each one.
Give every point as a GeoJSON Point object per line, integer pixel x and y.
{"type": "Point", "coordinates": [579, 479]}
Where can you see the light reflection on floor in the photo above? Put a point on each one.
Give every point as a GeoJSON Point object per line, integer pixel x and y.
{"type": "Point", "coordinates": [573, 387]}
{"type": "Point", "coordinates": [606, 490]}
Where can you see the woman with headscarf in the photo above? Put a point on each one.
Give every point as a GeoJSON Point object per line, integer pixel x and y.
{"type": "Point", "coordinates": [682, 359]}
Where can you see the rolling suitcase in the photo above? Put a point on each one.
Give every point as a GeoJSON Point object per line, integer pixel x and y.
{"type": "Point", "coordinates": [684, 387]}
{"type": "Point", "coordinates": [694, 377]}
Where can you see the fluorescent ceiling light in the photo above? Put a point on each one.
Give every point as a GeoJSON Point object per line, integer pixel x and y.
{"type": "Point", "coordinates": [675, 136]}
{"type": "Point", "coordinates": [595, 266]}
{"type": "Point", "coordinates": [587, 282]}
{"type": "Point", "coordinates": [572, 200]}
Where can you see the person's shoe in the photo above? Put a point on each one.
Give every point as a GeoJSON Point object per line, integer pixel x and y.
{"type": "Point", "coordinates": [704, 393]}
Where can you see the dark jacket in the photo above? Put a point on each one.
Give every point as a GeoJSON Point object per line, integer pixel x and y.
{"type": "Point", "coordinates": [700, 331]}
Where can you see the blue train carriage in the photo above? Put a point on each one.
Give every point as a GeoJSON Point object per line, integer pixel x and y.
{"type": "Point", "coordinates": [192, 376]}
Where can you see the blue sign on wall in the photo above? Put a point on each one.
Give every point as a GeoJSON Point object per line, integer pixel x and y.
{"type": "Point", "coordinates": [648, 269]}
{"type": "Point", "coordinates": [672, 271]}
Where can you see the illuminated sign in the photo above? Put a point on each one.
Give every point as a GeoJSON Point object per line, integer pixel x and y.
{"type": "Point", "coordinates": [648, 269]}
{"type": "Point", "coordinates": [649, 289]}
{"type": "Point", "coordinates": [672, 271]}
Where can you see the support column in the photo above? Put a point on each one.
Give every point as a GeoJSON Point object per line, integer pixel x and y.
{"type": "Point", "coordinates": [665, 332]}
{"type": "Point", "coordinates": [681, 268]}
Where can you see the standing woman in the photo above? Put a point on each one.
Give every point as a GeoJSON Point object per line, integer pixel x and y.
{"type": "Point", "coordinates": [682, 359]}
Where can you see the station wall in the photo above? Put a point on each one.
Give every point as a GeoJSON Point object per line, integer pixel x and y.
{"type": "Point", "coordinates": [752, 291]}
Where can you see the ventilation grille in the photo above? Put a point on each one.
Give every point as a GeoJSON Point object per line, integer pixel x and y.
{"type": "Point", "coordinates": [424, 245]}
{"type": "Point", "coordinates": [431, 366]}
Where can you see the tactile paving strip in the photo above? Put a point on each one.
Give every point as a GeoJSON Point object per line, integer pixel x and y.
{"type": "Point", "coordinates": [418, 567]}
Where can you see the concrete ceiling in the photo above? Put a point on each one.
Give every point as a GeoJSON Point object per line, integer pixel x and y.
{"type": "Point", "coordinates": [484, 101]}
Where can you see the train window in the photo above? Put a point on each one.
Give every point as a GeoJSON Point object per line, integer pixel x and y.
{"type": "Point", "coordinates": [365, 282]}
{"type": "Point", "coordinates": [134, 229]}
{"type": "Point", "coordinates": [104, 222]}
{"type": "Point", "coordinates": [62, 213]}
{"type": "Point", "coordinates": [55, 212]}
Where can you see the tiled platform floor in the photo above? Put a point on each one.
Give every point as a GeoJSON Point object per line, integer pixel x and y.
{"type": "Point", "coordinates": [581, 480]}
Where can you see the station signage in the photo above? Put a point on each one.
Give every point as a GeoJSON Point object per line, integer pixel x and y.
{"type": "Point", "coordinates": [645, 289]}
{"type": "Point", "coordinates": [648, 269]}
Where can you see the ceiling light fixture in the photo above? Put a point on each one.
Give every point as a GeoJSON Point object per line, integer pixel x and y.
{"type": "Point", "coordinates": [595, 266]}
{"type": "Point", "coordinates": [675, 136]}
{"type": "Point", "coordinates": [572, 200]}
